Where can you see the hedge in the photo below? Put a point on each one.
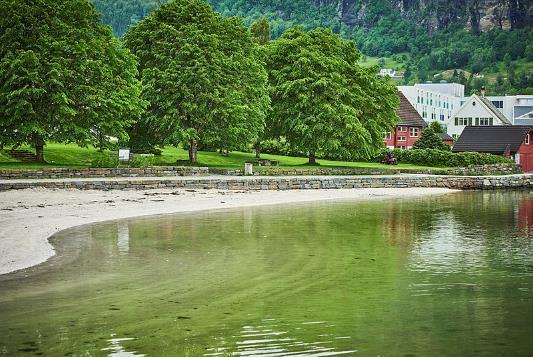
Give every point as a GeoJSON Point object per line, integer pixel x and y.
{"type": "Point", "coordinates": [432, 157]}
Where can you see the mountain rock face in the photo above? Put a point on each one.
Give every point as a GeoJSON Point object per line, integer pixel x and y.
{"type": "Point", "coordinates": [477, 15]}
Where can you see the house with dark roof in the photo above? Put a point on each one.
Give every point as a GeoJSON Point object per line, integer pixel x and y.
{"type": "Point", "coordinates": [476, 111]}
{"type": "Point", "coordinates": [515, 141]}
{"type": "Point", "coordinates": [447, 139]}
{"type": "Point", "coordinates": [408, 130]}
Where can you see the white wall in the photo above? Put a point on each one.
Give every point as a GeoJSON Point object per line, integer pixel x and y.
{"type": "Point", "coordinates": [436, 101]}
{"type": "Point", "coordinates": [468, 110]}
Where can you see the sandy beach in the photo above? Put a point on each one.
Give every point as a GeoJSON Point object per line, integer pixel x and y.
{"type": "Point", "coordinates": [29, 217]}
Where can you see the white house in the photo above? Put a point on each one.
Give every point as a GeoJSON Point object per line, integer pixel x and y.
{"type": "Point", "coordinates": [518, 109]}
{"type": "Point", "coordinates": [476, 111]}
{"type": "Point", "coordinates": [435, 101]}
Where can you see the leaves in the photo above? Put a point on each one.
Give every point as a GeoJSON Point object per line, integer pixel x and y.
{"type": "Point", "coordinates": [200, 75]}
{"type": "Point", "coordinates": [322, 100]}
{"type": "Point", "coordinates": [64, 77]}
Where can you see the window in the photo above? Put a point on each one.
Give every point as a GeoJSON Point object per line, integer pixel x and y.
{"type": "Point", "coordinates": [498, 103]}
{"type": "Point", "coordinates": [463, 121]}
{"type": "Point", "coordinates": [403, 147]}
{"type": "Point", "coordinates": [473, 103]}
{"type": "Point", "coordinates": [388, 135]}
{"type": "Point", "coordinates": [527, 139]}
{"type": "Point", "coordinates": [455, 136]}
{"type": "Point", "coordinates": [413, 132]}
{"type": "Point", "coordinates": [402, 138]}
{"type": "Point", "coordinates": [402, 128]}
{"type": "Point", "coordinates": [484, 121]}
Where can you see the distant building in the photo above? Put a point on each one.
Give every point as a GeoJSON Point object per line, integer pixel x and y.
{"type": "Point", "coordinates": [517, 108]}
{"type": "Point", "coordinates": [390, 72]}
{"type": "Point", "coordinates": [515, 141]}
{"type": "Point", "coordinates": [408, 130]}
{"type": "Point", "coordinates": [435, 101]}
{"type": "Point", "coordinates": [475, 111]}
{"type": "Point", "coordinates": [447, 139]}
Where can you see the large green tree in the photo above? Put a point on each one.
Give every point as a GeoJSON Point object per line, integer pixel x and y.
{"type": "Point", "coordinates": [63, 76]}
{"type": "Point", "coordinates": [323, 100]}
{"type": "Point", "coordinates": [201, 76]}
{"type": "Point", "coordinates": [262, 35]}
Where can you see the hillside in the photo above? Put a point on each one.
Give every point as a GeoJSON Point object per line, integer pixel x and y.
{"type": "Point", "coordinates": [491, 38]}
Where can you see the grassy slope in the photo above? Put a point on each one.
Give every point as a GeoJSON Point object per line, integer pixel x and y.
{"type": "Point", "coordinates": [73, 156]}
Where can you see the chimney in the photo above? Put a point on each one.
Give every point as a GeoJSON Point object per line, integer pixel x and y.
{"type": "Point", "coordinates": [482, 91]}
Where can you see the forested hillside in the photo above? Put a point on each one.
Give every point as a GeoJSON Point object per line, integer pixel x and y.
{"type": "Point", "coordinates": [425, 37]}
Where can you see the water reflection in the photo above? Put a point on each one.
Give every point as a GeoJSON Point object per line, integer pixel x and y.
{"type": "Point", "coordinates": [406, 277]}
{"type": "Point", "coordinates": [116, 349]}
{"type": "Point", "coordinates": [525, 217]}
{"type": "Point", "coordinates": [274, 338]}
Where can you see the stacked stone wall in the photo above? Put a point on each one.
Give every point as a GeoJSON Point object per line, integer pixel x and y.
{"type": "Point", "coordinates": [283, 183]}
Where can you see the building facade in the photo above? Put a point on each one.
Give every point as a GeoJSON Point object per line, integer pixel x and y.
{"type": "Point", "coordinates": [434, 101]}
{"type": "Point", "coordinates": [475, 111]}
{"type": "Point", "coordinates": [408, 130]}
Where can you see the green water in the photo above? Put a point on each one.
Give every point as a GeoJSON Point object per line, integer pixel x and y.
{"type": "Point", "coordinates": [449, 275]}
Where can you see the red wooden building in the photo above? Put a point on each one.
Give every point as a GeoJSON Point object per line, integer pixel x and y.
{"type": "Point", "coordinates": [408, 130]}
{"type": "Point", "coordinates": [513, 140]}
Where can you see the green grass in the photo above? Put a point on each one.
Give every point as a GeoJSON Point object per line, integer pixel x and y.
{"type": "Point", "coordinates": [73, 156]}
{"type": "Point", "coordinates": [389, 61]}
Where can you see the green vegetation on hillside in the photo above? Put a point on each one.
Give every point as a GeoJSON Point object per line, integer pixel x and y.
{"type": "Point", "coordinates": [383, 33]}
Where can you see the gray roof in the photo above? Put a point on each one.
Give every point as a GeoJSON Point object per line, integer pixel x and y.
{"type": "Point", "coordinates": [492, 139]}
{"type": "Point", "coordinates": [444, 136]}
{"type": "Point", "coordinates": [494, 110]}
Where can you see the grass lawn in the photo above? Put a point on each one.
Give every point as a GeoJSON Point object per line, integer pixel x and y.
{"type": "Point", "coordinates": [73, 156]}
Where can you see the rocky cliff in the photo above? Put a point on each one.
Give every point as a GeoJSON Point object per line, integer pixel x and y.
{"type": "Point", "coordinates": [477, 15]}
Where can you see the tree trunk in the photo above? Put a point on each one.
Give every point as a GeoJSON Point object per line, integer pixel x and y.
{"type": "Point", "coordinates": [38, 144]}
{"type": "Point", "coordinates": [312, 158]}
{"type": "Point", "coordinates": [258, 150]}
{"type": "Point", "coordinates": [39, 153]}
{"type": "Point", "coordinates": [193, 149]}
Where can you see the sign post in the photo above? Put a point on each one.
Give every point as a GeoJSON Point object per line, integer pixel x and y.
{"type": "Point", "coordinates": [124, 154]}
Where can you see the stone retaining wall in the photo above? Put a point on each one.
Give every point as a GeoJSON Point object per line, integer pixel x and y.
{"type": "Point", "coordinates": [164, 171]}
{"type": "Point", "coordinates": [496, 169]}
{"type": "Point", "coordinates": [485, 170]}
{"type": "Point", "coordinates": [285, 183]}
{"type": "Point", "coordinates": [156, 171]}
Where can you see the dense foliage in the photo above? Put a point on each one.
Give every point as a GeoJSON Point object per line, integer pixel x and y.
{"type": "Point", "coordinates": [432, 157]}
{"type": "Point", "coordinates": [385, 32]}
{"type": "Point", "coordinates": [430, 140]}
{"type": "Point", "coordinates": [201, 76]}
{"type": "Point", "coordinates": [63, 76]}
{"type": "Point", "coordinates": [322, 100]}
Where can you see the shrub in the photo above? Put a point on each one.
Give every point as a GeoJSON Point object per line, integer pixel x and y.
{"type": "Point", "coordinates": [279, 147]}
{"type": "Point", "coordinates": [432, 157]}
{"type": "Point", "coordinates": [142, 161]}
{"type": "Point", "coordinates": [430, 140]}
{"type": "Point", "coordinates": [105, 160]}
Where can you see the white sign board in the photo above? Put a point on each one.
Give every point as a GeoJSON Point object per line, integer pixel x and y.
{"type": "Point", "coordinates": [124, 154]}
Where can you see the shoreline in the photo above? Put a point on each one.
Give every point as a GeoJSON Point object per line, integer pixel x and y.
{"type": "Point", "coordinates": [30, 217]}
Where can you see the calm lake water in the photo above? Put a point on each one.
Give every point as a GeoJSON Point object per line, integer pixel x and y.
{"type": "Point", "coordinates": [449, 275]}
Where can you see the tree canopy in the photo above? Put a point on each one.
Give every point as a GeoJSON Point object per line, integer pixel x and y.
{"type": "Point", "coordinates": [200, 75]}
{"type": "Point", "coordinates": [430, 140]}
{"type": "Point", "coordinates": [63, 76]}
{"type": "Point", "coordinates": [322, 100]}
